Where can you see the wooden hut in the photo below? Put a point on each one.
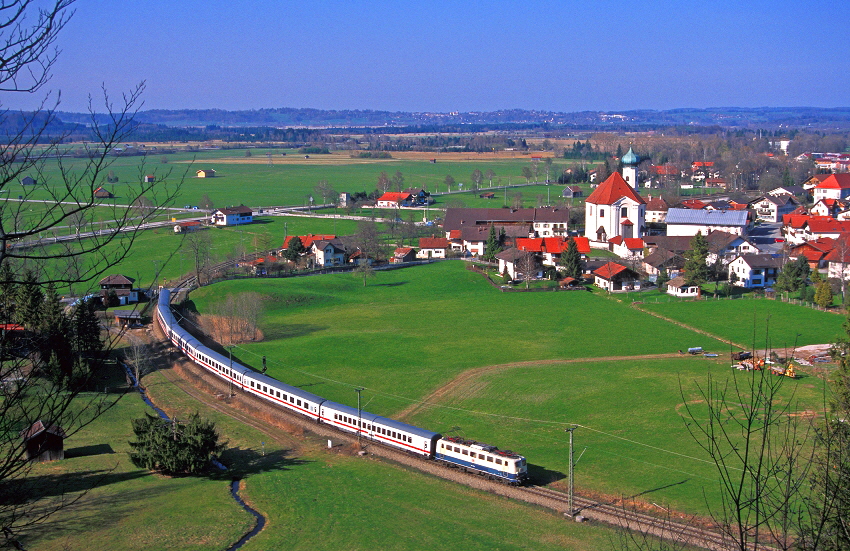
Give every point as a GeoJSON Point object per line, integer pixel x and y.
{"type": "Point", "coordinates": [44, 441]}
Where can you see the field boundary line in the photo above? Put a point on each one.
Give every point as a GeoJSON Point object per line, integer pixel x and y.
{"type": "Point", "coordinates": [475, 372]}
{"type": "Point", "coordinates": [686, 326]}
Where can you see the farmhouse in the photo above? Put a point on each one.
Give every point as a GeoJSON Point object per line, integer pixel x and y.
{"type": "Point", "coordinates": [232, 216]}
{"type": "Point", "coordinates": [432, 247]}
{"type": "Point", "coordinates": [208, 173]}
{"type": "Point", "coordinates": [833, 186]}
{"type": "Point", "coordinates": [544, 222]}
{"type": "Point", "coordinates": [393, 200]}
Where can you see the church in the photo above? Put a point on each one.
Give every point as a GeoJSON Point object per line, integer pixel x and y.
{"type": "Point", "coordinates": [615, 208]}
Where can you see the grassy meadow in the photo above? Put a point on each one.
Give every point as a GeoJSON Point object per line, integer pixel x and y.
{"type": "Point", "coordinates": [546, 360]}
{"type": "Point", "coordinates": [312, 499]}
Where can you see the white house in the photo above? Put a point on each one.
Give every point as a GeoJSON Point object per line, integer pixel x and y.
{"type": "Point", "coordinates": [614, 208]}
{"type": "Point", "coordinates": [678, 288]}
{"type": "Point", "coordinates": [615, 277]}
{"type": "Point", "coordinates": [328, 253]}
{"type": "Point", "coordinates": [755, 270]}
{"type": "Point", "coordinates": [691, 221]}
{"type": "Point", "coordinates": [232, 216]}
{"type": "Point", "coordinates": [656, 210]}
{"type": "Point", "coordinates": [432, 247]}
{"type": "Point", "coordinates": [514, 261]}
{"type": "Point", "coordinates": [770, 208]}
{"type": "Point", "coordinates": [834, 186]}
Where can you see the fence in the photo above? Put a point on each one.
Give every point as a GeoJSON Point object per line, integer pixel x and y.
{"type": "Point", "coordinates": [751, 296]}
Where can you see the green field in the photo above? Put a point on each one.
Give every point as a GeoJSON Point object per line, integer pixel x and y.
{"type": "Point", "coordinates": [411, 331]}
{"type": "Point", "coordinates": [292, 183]}
{"type": "Point", "coordinates": [312, 499]}
{"type": "Point", "coordinates": [755, 322]}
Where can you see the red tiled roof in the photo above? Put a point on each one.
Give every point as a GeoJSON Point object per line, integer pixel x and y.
{"type": "Point", "coordinates": [612, 189]}
{"type": "Point", "coordinates": [634, 243]}
{"type": "Point", "coordinates": [841, 251]}
{"type": "Point", "coordinates": [583, 244]}
{"type": "Point", "coordinates": [627, 222]}
{"type": "Point", "coordinates": [616, 240]}
{"type": "Point", "coordinates": [697, 164]}
{"type": "Point", "coordinates": [403, 251]}
{"type": "Point", "coordinates": [433, 242]}
{"type": "Point", "coordinates": [665, 170]}
{"type": "Point", "coordinates": [836, 181]}
{"type": "Point", "coordinates": [695, 204]}
{"type": "Point", "coordinates": [609, 270]}
{"type": "Point", "coordinates": [307, 240]}
{"type": "Point", "coordinates": [394, 196]}
{"type": "Point", "coordinates": [824, 224]}
{"type": "Point", "coordinates": [531, 244]}
{"type": "Point", "coordinates": [454, 234]}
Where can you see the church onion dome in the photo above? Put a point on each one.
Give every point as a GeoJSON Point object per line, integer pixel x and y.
{"type": "Point", "coordinates": [630, 158]}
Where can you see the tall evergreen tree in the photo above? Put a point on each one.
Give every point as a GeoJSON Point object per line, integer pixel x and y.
{"type": "Point", "coordinates": [793, 275]}
{"type": "Point", "coordinates": [696, 270]}
{"type": "Point", "coordinates": [30, 302]}
{"type": "Point", "coordinates": [571, 260]}
{"type": "Point", "coordinates": [172, 447]}
{"type": "Point", "coordinates": [294, 249]}
{"type": "Point", "coordinates": [492, 247]}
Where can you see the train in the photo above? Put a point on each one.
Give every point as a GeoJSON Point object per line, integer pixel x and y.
{"type": "Point", "coordinates": [469, 455]}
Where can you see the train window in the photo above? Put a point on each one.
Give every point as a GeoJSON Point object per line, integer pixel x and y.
{"type": "Point", "coordinates": [252, 384]}
{"type": "Point", "coordinates": [490, 459]}
{"type": "Point", "coordinates": [457, 449]}
{"type": "Point", "coordinates": [464, 452]}
{"type": "Point", "coordinates": [265, 389]}
{"type": "Point", "coordinates": [278, 393]}
{"type": "Point", "coordinates": [498, 461]}
{"type": "Point", "coordinates": [298, 402]}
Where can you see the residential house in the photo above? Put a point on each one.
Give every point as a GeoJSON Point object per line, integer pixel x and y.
{"type": "Point", "coordinates": [307, 240]}
{"type": "Point", "coordinates": [402, 255]}
{"type": "Point", "coordinates": [755, 270]}
{"type": "Point", "coordinates": [550, 222]}
{"type": "Point", "coordinates": [678, 288]}
{"type": "Point", "coordinates": [615, 277]}
{"type": "Point", "coordinates": [149, 178]}
{"type": "Point", "coordinates": [394, 200]}
{"type": "Point", "coordinates": [614, 208]}
{"type": "Point", "coordinates": [419, 196]}
{"type": "Point", "coordinates": [327, 253]}
{"type": "Point", "coordinates": [432, 247]}
{"type": "Point", "coordinates": [814, 251]}
{"type": "Point", "coordinates": [700, 170]}
{"type": "Point", "coordinates": [656, 210]}
{"type": "Point", "coordinates": [549, 249]}
{"type": "Point", "coordinates": [662, 259]}
{"type": "Point", "coordinates": [515, 262]}
{"type": "Point", "coordinates": [232, 216]}
{"type": "Point", "coordinates": [208, 173]}
{"type": "Point", "coordinates": [838, 259]}
{"type": "Point", "coordinates": [818, 227]}
{"type": "Point", "coordinates": [121, 286]}
{"type": "Point", "coordinates": [771, 208]}
{"type": "Point", "coordinates": [830, 207]}
{"type": "Point", "coordinates": [682, 222]}
{"type": "Point", "coordinates": [813, 182]}
{"type": "Point", "coordinates": [834, 186]}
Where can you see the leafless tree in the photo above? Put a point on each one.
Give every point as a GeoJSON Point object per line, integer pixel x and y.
{"type": "Point", "coordinates": [40, 242]}
{"type": "Point", "coordinates": [198, 244]}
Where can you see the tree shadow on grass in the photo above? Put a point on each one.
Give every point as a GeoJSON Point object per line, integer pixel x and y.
{"type": "Point", "coordinates": [46, 486]}
{"type": "Point", "coordinates": [393, 284]}
{"type": "Point", "coordinates": [242, 462]}
{"type": "Point", "coordinates": [293, 330]}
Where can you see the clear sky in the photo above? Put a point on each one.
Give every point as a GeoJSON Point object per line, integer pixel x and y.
{"type": "Point", "coordinates": [564, 55]}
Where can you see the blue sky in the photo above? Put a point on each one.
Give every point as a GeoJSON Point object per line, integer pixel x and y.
{"type": "Point", "coordinates": [455, 56]}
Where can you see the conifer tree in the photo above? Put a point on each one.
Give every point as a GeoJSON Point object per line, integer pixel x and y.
{"type": "Point", "coordinates": [571, 260]}
{"type": "Point", "coordinates": [696, 270]}
{"type": "Point", "coordinates": [492, 247]}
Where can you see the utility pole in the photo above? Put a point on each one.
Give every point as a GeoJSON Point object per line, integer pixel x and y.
{"type": "Point", "coordinates": [358, 390]}
{"type": "Point", "coordinates": [571, 509]}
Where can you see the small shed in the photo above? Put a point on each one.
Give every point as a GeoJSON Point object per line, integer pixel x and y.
{"type": "Point", "coordinates": [127, 317]}
{"type": "Point", "coordinates": [208, 173]}
{"type": "Point", "coordinates": [102, 193]}
{"type": "Point", "coordinates": [678, 288]}
{"type": "Point", "coordinates": [44, 442]}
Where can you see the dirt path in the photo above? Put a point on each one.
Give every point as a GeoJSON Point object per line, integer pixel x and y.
{"type": "Point", "coordinates": [471, 374]}
{"type": "Point", "coordinates": [686, 326]}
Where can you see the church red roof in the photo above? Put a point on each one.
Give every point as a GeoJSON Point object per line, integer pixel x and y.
{"type": "Point", "coordinates": [612, 190]}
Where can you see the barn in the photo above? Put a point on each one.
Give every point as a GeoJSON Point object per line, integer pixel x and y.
{"type": "Point", "coordinates": [44, 442]}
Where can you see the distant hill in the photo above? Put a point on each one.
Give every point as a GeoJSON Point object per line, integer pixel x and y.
{"type": "Point", "coordinates": [837, 118]}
